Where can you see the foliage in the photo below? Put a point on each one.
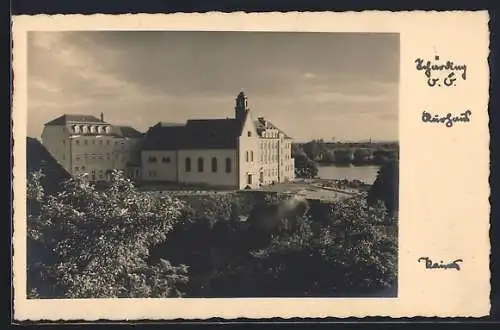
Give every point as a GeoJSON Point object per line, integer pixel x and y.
{"type": "Point", "coordinates": [350, 254]}
{"type": "Point", "coordinates": [386, 186]}
{"type": "Point", "coordinates": [95, 244]}
{"type": "Point", "coordinates": [340, 249]}
{"type": "Point", "coordinates": [305, 167]}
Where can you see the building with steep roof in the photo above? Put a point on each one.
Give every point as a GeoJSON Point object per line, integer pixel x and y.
{"type": "Point", "coordinates": [228, 152]}
{"type": "Point", "coordinates": [87, 144]}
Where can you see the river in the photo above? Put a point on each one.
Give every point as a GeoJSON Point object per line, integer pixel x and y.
{"type": "Point", "coordinates": [366, 174]}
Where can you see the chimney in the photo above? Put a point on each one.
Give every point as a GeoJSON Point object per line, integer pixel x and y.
{"type": "Point", "coordinates": [102, 116]}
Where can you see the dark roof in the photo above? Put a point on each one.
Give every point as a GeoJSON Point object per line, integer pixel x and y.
{"type": "Point", "coordinates": [39, 158]}
{"type": "Point", "coordinates": [212, 133]}
{"type": "Point", "coordinates": [126, 131]}
{"type": "Point", "coordinates": [161, 137]}
{"type": "Point", "coordinates": [195, 134]}
{"type": "Point", "coordinates": [65, 119]}
{"type": "Point", "coordinates": [261, 124]}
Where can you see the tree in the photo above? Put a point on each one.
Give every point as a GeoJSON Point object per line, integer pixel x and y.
{"type": "Point", "coordinates": [352, 253]}
{"type": "Point", "coordinates": [97, 242]}
{"type": "Point", "coordinates": [305, 167]}
{"type": "Point", "coordinates": [386, 186]}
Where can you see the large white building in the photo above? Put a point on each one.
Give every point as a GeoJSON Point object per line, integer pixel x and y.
{"type": "Point", "coordinates": [87, 144]}
{"type": "Point", "coordinates": [234, 152]}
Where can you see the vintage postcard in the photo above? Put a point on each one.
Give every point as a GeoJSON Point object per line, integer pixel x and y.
{"type": "Point", "coordinates": [232, 165]}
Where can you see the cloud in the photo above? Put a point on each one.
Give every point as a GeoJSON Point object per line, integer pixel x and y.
{"type": "Point", "coordinates": [144, 77]}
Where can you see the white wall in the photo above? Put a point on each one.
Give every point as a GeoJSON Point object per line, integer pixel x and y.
{"type": "Point", "coordinates": [165, 167]}
{"type": "Point", "coordinates": [219, 178]}
{"type": "Point", "coordinates": [249, 144]}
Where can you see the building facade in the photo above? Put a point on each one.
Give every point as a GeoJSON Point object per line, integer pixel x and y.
{"type": "Point", "coordinates": [87, 144]}
{"type": "Point", "coordinates": [234, 152]}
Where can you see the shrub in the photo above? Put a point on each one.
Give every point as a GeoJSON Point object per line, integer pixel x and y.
{"type": "Point", "coordinates": [96, 243]}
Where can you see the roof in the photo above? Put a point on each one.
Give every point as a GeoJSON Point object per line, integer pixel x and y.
{"type": "Point", "coordinates": [126, 131]}
{"type": "Point", "coordinates": [161, 137]}
{"type": "Point", "coordinates": [195, 134]}
{"type": "Point", "coordinates": [261, 124]}
{"type": "Point", "coordinates": [66, 119]}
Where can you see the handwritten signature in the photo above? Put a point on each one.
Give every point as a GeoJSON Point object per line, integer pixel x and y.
{"type": "Point", "coordinates": [429, 264]}
{"type": "Point", "coordinates": [448, 120]}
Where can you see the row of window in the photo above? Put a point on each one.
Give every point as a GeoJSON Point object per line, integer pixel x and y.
{"type": "Point", "coordinates": [201, 165]}
{"type": "Point", "coordinates": [249, 156]}
{"type": "Point", "coordinates": [100, 156]}
{"type": "Point", "coordinates": [152, 159]}
{"type": "Point", "coordinates": [91, 129]}
{"type": "Point", "coordinates": [96, 142]}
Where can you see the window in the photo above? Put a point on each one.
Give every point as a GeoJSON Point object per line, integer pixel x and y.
{"type": "Point", "coordinates": [249, 133]}
{"type": "Point", "coordinates": [214, 164]}
{"type": "Point", "coordinates": [93, 142]}
{"type": "Point", "coordinates": [246, 157]}
{"type": "Point", "coordinates": [165, 159]}
{"type": "Point", "coordinates": [84, 129]}
{"type": "Point", "coordinates": [200, 164]}
{"type": "Point", "coordinates": [107, 142]}
{"type": "Point", "coordinates": [100, 142]}
{"type": "Point", "coordinates": [251, 156]}
{"type": "Point", "coordinates": [188, 164]}
{"type": "Point", "coordinates": [249, 178]}
{"type": "Point", "coordinates": [92, 129]}
{"type": "Point", "coordinates": [76, 168]}
{"type": "Point", "coordinates": [83, 168]}
{"type": "Point", "coordinates": [77, 142]}
{"type": "Point", "coordinates": [228, 165]}
{"type": "Point", "coordinates": [85, 142]}
{"type": "Point", "coordinates": [152, 159]}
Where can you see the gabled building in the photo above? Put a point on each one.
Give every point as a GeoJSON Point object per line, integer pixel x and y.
{"type": "Point", "coordinates": [87, 144]}
{"type": "Point", "coordinates": [231, 152]}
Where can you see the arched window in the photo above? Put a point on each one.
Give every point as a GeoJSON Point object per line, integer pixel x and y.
{"type": "Point", "coordinates": [214, 164]}
{"type": "Point", "coordinates": [188, 164]}
{"type": "Point", "coordinates": [200, 164]}
{"type": "Point", "coordinates": [228, 165]}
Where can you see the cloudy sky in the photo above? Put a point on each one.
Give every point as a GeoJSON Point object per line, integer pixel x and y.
{"type": "Point", "coordinates": [312, 85]}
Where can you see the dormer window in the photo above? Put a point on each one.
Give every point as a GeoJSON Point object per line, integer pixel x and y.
{"type": "Point", "coordinates": [99, 129]}
{"type": "Point", "coordinates": [107, 129]}
{"type": "Point", "coordinates": [92, 129]}
{"type": "Point", "coordinates": [76, 129]}
{"type": "Point", "coordinates": [84, 129]}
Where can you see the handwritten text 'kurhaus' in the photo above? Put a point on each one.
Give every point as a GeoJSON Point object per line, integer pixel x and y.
{"type": "Point", "coordinates": [448, 120]}
{"type": "Point", "coordinates": [441, 74]}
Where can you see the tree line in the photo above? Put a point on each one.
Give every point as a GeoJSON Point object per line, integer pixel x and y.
{"type": "Point", "coordinates": [348, 153]}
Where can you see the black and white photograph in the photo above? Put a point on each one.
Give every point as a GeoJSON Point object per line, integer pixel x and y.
{"type": "Point", "coordinates": [212, 164]}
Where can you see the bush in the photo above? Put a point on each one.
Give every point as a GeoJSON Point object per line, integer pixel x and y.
{"type": "Point", "coordinates": [95, 244]}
